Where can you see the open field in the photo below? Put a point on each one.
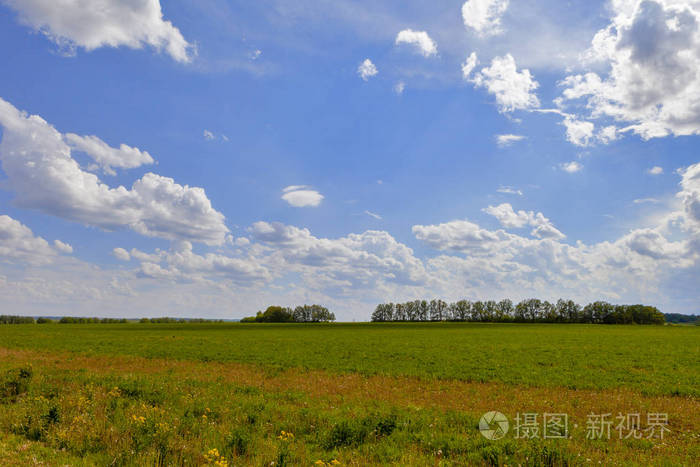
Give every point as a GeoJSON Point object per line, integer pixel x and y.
{"type": "Point", "coordinates": [135, 394]}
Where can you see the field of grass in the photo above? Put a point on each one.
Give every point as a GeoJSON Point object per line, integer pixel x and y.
{"type": "Point", "coordinates": [357, 394]}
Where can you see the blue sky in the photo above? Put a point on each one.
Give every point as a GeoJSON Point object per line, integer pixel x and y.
{"type": "Point", "coordinates": [210, 158]}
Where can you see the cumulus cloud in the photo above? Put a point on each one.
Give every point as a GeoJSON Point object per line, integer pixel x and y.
{"type": "Point", "coordinates": [508, 139]}
{"type": "Point", "coordinates": [364, 260]}
{"type": "Point", "coordinates": [301, 196]}
{"type": "Point", "coordinates": [420, 40]}
{"type": "Point", "coordinates": [18, 244]}
{"type": "Point", "coordinates": [103, 23]}
{"type": "Point", "coordinates": [367, 69]}
{"type": "Point", "coordinates": [690, 196]}
{"type": "Point", "coordinates": [62, 247]}
{"type": "Point", "coordinates": [513, 89]}
{"type": "Point", "coordinates": [121, 254]}
{"type": "Point", "coordinates": [637, 264]}
{"type": "Point", "coordinates": [571, 167]}
{"type": "Point", "coordinates": [181, 263]}
{"type": "Point", "coordinates": [579, 132]}
{"type": "Point", "coordinates": [106, 157]}
{"type": "Point", "coordinates": [653, 84]}
{"type": "Point", "coordinates": [484, 16]}
{"type": "Point", "coordinates": [542, 227]}
{"type": "Point", "coordinates": [656, 170]}
{"type": "Point", "coordinates": [44, 176]}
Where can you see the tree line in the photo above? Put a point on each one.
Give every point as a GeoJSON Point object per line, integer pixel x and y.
{"type": "Point", "coordinates": [11, 319]}
{"type": "Point", "coordinates": [300, 314]}
{"type": "Point", "coordinates": [527, 311]}
{"type": "Point", "coordinates": [678, 318]}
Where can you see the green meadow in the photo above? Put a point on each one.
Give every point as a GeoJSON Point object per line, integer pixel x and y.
{"type": "Point", "coordinates": [350, 394]}
{"type": "Point", "coordinates": [651, 359]}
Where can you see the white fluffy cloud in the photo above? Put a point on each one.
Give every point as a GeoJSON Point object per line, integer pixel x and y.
{"type": "Point", "coordinates": [656, 170]}
{"type": "Point", "coordinates": [121, 254]}
{"type": "Point", "coordinates": [460, 235]}
{"type": "Point", "coordinates": [301, 196]}
{"type": "Point", "coordinates": [690, 196]}
{"type": "Point", "coordinates": [484, 16]}
{"type": "Point", "coordinates": [420, 40]}
{"type": "Point", "coordinates": [103, 23]}
{"type": "Point", "coordinates": [19, 244]}
{"type": "Point", "coordinates": [107, 157]}
{"type": "Point", "coordinates": [653, 84]}
{"type": "Point", "coordinates": [367, 69]}
{"type": "Point", "coordinates": [579, 132]}
{"type": "Point", "coordinates": [514, 90]}
{"type": "Point", "coordinates": [44, 176]}
{"type": "Point", "coordinates": [542, 227]}
{"type": "Point", "coordinates": [181, 263]}
{"type": "Point", "coordinates": [365, 260]}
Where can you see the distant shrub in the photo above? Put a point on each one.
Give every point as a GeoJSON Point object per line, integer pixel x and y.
{"type": "Point", "coordinates": [682, 319]}
{"type": "Point", "coordinates": [77, 320]}
{"type": "Point", "coordinates": [168, 320]}
{"type": "Point", "coordinates": [7, 319]}
{"type": "Point", "coordinates": [43, 320]}
{"type": "Point", "coordinates": [300, 314]}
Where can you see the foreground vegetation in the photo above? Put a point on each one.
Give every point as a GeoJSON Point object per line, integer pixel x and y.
{"type": "Point", "coordinates": [365, 394]}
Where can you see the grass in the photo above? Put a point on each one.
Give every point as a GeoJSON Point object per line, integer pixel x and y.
{"type": "Point", "coordinates": [394, 394]}
{"type": "Point", "coordinates": [651, 359]}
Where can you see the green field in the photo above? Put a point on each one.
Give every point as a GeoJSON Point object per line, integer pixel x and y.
{"type": "Point", "coordinates": [356, 393]}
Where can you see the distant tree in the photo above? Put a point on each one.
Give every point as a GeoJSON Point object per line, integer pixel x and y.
{"type": "Point", "coordinates": [424, 311]}
{"type": "Point", "coordinates": [400, 312]}
{"type": "Point", "coordinates": [274, 314]}
{"type": "Point", "coordinates": [504, 310]}
{"type": "Point", "coordinates": [462, 310]}
{"type": "Point", "coordinates": [529, 310]}
{"type": "Point", "coordinates": [412, 309]}
{"type": "Point", "coordinates": [490, 308]}
{"type": "Point", "coordinates": [320, 314]}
